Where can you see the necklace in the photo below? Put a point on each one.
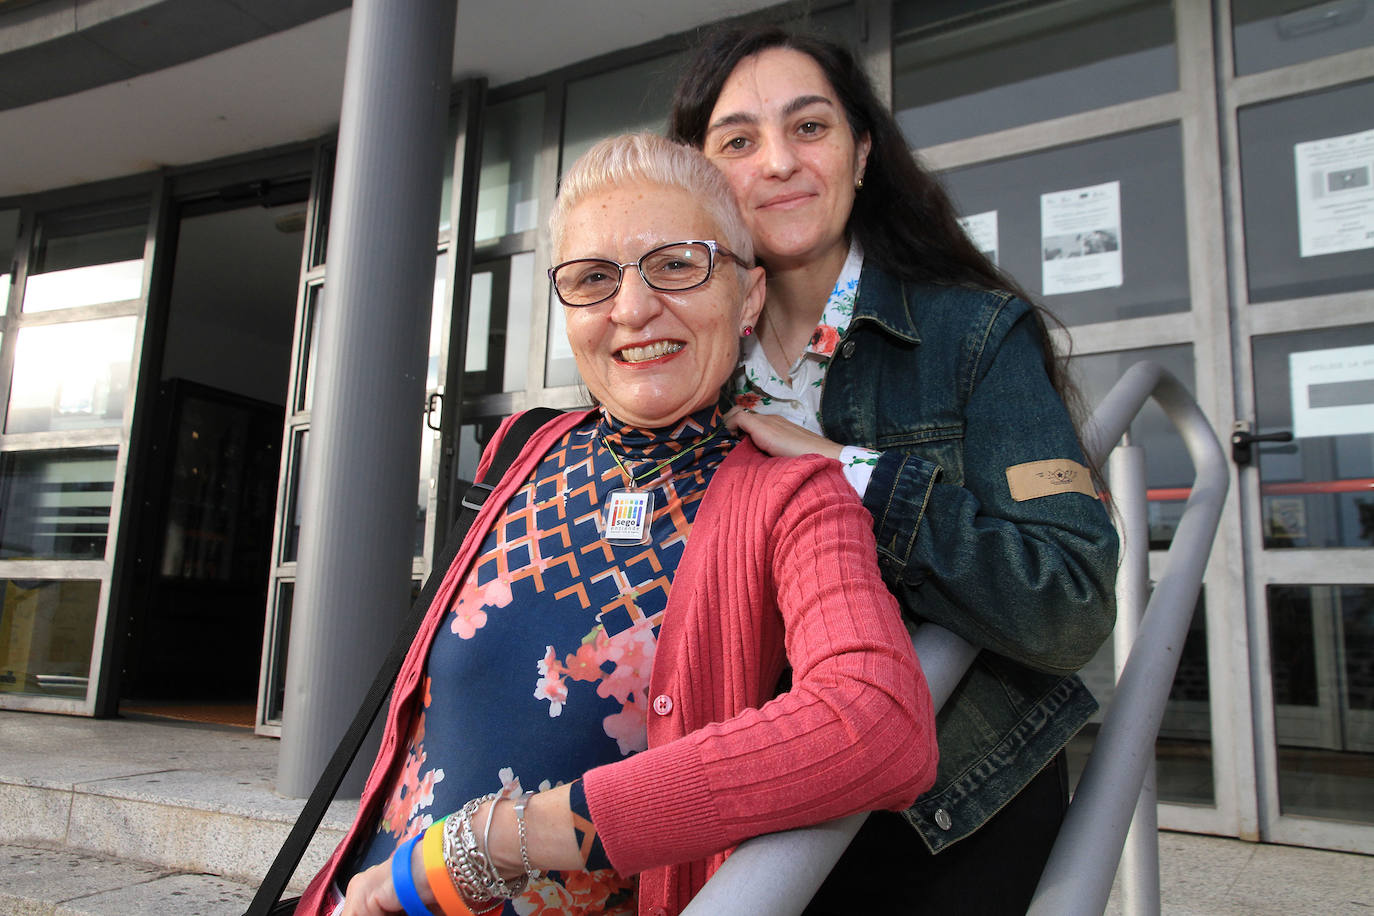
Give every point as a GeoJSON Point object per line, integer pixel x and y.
{"type": "Point", "coordinates": [625, 520]}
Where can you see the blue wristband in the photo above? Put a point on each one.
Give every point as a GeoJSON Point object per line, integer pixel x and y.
{"type": "Point", "coordinates": [403, 879]}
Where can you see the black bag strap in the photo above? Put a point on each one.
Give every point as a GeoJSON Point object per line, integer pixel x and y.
{"type": "Point", "coordinates": [289, 856]}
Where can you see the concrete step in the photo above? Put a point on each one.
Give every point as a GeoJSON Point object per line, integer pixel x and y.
{"type": "Point", "coordinates": [153, 804]}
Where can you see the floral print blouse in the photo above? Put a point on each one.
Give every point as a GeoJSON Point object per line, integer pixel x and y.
{"type": "Point", "coordinates": [540, 670]}
{"type": "Point", "coordinates": [757, 386]}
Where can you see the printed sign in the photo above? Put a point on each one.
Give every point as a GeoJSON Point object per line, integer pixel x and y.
{"type": "Point", "coordinates": [1335, 194]}
{"type": "Point", "coordinates": [1080, 239]}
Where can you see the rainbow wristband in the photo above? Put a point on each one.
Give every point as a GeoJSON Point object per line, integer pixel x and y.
{"type": "Point", "coordinates": [403, 880]}
{"type": "Point", "coordinates": [446, 895]}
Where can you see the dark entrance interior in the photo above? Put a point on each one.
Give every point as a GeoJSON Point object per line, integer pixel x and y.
{"type": "Point", "coordinates": [211, 455]}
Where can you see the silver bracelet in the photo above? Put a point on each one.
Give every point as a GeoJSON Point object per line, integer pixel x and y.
{"type": "Point", "coordinates": [531, 873]}
{"type": "Point", "coordinates": [470, 865]}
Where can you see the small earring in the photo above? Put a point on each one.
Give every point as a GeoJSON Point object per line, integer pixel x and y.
{"type": "Point", "coordinates": [748, 329]}
{"type": "Point", "coordinates": [859, 184]}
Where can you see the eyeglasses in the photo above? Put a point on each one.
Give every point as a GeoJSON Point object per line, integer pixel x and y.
{"type": "Point", "coordinates": [671, 268]}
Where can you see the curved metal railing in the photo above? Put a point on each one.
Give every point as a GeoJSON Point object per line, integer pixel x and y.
{"type": "Point", "coordinates": [777, 874]}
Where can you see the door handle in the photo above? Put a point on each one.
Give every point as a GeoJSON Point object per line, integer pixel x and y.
{"type": "Point", "coordinates": [1242, 440]}
{"type": "Point", "coordinates": [434, 404]}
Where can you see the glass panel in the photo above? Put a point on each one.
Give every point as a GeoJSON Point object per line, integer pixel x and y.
{"type": "Point", "coordinates": [305, 384]}
{"type": "Point", "coordinates": [276, 690]}
{"type": "Point", "coordinates": [632, 98]}
{"type": "Point", "coordinates": [1321, 641]}
{"type": "Point", "coordinates": [1308, 191]}
{"type": "Point", "coordinates": [429, 436]}
{"type": "Point", "coordinates": [71, 376]}
{"type": "Point", "coordinates": [9, 234]}
{"type": "Point", "coordinates": [47, 632]}
{"type": "Point", "coordinates": [291, 534]}
{"type": "Point", "coordinates": [1276, 33]}
{"type": "Point", "coordinates": [559, 366]}
{"type": "Point", "coordinates": [1183, 749]}
{"type": "Point", "coordinates": [87, 258]}
{"type": "Point", "coordinates": [324, 193]}
{"type": "Point", "coordinates": [1059, 217]}
{"type": "Point", "coordinates": [959, 72]}
{"type": "Point", "coordinates": [1168, 468]}
{"type": "Point", "coordinates": [507, 197]}
{"type": "Point", "coordinates": [496, 356]}
{"type": "Point", "coordinates": [56, 504]}
{"type": "Point", "coordinates": [446, 193]}
{"type": "Point", "coordinates": [1318, 490]}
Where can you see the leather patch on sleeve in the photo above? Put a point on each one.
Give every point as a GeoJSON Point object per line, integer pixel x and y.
{"type": "Point", "coordinates": [1035, 479]}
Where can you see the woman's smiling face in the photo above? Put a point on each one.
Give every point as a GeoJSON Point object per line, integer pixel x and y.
{"type": "Point", "coordinates": [653, 357]}
{"type": "Point", "coordinates": [779, 133]}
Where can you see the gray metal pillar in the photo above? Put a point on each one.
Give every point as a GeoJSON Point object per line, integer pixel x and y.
{"type": "Point", "coordinates": [358, 485]}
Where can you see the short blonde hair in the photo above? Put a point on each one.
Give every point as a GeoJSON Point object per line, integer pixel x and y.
{"type": "Point", "coordinates": [648, 157]}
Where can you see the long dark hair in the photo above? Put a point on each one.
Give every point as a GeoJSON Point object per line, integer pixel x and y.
{"type": "Point", "coordinates": [903, 217]}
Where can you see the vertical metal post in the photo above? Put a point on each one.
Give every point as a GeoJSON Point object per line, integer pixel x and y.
{"type": "Point", "coordinates": [1139, 868]}
{"type": "Point", "coordinates": [358, 485]}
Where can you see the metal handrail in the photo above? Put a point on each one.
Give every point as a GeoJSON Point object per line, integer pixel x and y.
{"type": "Point", "coordinates": [777, 874]}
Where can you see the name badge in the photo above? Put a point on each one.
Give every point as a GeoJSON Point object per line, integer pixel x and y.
{"type": "Point", "coordinates": [625, 520]}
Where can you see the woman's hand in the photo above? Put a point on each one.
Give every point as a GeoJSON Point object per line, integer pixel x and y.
{"type": "Point", "coordinates": [778, 437]}
{"type": "Point", "coordinates": [370, 893]}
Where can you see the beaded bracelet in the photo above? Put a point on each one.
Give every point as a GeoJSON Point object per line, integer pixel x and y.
{"type": "Point", "coordinates": [403, 880]}
{"type": "Point", "coordinates": [446, 894]}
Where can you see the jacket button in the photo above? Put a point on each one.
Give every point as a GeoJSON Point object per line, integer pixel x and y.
{"type": "Point", "coordinates": [942, 819]}
{"type": "Point", "coordinates": [848, 349]}
{"type": "Point", "coordinates": [663, 704]}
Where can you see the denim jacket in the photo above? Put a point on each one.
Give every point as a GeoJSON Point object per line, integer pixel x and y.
{"type": "Point", "coordinates": [949, 385]}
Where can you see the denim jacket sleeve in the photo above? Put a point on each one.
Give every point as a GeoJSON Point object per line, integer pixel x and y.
{"type": "Point", "coordinates": [1029, 579]}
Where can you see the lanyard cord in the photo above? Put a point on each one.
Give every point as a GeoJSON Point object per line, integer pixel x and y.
{"type": "Point", "coordinates": [648, 475]}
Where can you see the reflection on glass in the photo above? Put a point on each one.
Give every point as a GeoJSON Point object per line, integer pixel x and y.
{"type": "Point", "coordinates": [507, 197]}
{"type": "Point", "coordinates": [1146, 169]}
{"type": "Point", "coordinates": [1183, 749]}
{"type": "Point", "coordinates": [560, 368]}
{"type": "Point", "coordinates": [496, 355]}
{"type": "Point", "coordinates": [446, 192]}
{"type": "Point", "coordinates": [71, 376]}
{"type": "Point", "coordinates": [960, 74]}
{"type": "Point", "coordinates": [1276, 33]}
{"type": "Point", "coordinates": [1322, 658]}
{"type": "Point", "coordinates": [1168, 469]}
{"type": "Point", "coordinates": [432, 419]}
{"type": "Point", "coordinates": [437, 310]}
{"type": "Point", "coordinates": [87, 258]}
{"type": "Point", "coordinates": [1318, 490]}
{"type": "Point", "coordinates": [276, 689]}
{"type": "Point", "coordinates": [305, 383]}
{"type": "Point", "coordinates": [291, 534]}
{"type": "Point", "coordinates": [1307, 166]}
{"type": "Point", "coordinates": [9, 234]}
{"type": "Point", "coordinates": [55, 505]}
{"type": "Point", "coordinates": [47, 632]}
{"type": "Point", "coordinates": [641, 94]}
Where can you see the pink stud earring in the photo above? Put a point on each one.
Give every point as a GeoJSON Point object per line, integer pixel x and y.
{"type": "Point", "coordinates": [748, 329]}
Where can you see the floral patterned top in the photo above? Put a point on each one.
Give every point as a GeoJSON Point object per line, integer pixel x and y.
{"type": "Point", "coordinates": [756, 385]}
{"type": "Point", "coordinates": [540, 669]}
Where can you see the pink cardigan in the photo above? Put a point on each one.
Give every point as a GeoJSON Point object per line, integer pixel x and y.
{"type": "Point", "coordinates": [779, 570]}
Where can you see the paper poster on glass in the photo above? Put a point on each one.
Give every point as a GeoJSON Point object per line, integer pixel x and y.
{"type": "Point", "coordinates": [981, 229]}
{"type": "Point", "coordinates": [1335, 194]}
{"type": "Point", "coordinates": [1080, 239]}
{"type": "Point", "coordinates": [1332, 391]}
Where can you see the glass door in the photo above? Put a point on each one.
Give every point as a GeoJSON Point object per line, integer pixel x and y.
{"type": "Point", "coordinates": [72, 340]}
{"type": "Point", "coordinates": [1297, 84]}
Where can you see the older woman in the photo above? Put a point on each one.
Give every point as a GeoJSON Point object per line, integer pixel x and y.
{"type": "Point", "coordinates": [889, 342]}
{"type": "Point", "coordinates": [613, 632]}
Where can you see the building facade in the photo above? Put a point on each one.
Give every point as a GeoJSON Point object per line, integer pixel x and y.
{"type": "Point", "coordinates": [1187, 182]}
